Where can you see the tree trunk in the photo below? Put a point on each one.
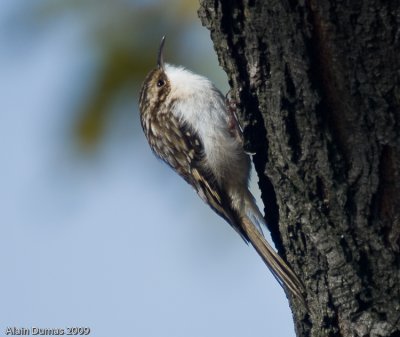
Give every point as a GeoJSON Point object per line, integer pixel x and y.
{"type": "Point", "coordinates": [317, 85]}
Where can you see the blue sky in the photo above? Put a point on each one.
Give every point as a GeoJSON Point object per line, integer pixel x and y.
{"type": "Point", "coordinates": [113, 240]}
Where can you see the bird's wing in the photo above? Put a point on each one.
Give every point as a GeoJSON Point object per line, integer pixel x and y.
{"type": "Point", "coordinates": [181, 148]}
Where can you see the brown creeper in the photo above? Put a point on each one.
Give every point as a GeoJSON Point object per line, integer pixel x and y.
{"type": "Point", "coordinates": [188, 126]}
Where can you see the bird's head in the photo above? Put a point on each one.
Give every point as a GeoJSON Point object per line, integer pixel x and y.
{"type": "Point", "coordinates": [156, 87]}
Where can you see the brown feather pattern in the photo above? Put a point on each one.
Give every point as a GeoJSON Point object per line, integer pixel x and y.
{"type": "Point", "coordinates": [177, 144]}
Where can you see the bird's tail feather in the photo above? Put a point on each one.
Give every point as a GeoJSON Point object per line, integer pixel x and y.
{"type": "Point", "coordinates": [252, 222]}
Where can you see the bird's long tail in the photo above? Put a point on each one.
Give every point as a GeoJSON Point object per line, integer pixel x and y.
{"type": "Point", "coordinates": [251, 223]}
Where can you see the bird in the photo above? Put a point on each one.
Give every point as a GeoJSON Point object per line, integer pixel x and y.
{"type": "Point", "coordinates": [189, 126]}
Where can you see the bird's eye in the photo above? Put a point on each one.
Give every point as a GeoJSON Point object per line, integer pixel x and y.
{"type": "Point", "coordinates": [160, 83]}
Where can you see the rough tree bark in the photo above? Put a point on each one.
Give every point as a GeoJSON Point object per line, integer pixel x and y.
{"type": "Point", "coordinates": [318, 87]}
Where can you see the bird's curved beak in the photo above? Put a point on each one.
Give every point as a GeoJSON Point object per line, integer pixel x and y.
{"type": "Point", "coordinates": [160, 59]}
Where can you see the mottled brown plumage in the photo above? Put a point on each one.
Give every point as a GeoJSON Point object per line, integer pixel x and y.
{"type": "Point", "coordinates": [188, 126]}
{"type": "Point", "coordinates": [178, 145]}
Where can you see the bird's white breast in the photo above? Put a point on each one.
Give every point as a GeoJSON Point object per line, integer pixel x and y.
{"type": "Point", "coordinates": [203, 107]}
